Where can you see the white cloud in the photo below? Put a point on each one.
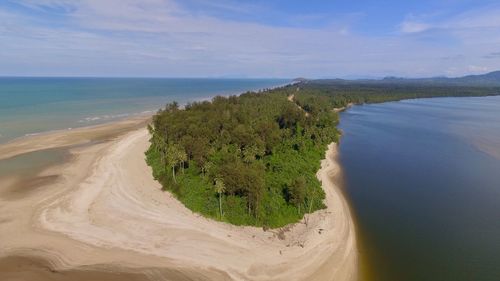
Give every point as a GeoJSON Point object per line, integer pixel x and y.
{"type": "Point", "coordinates": [161, 38]}
{"type": "Point", "coordinates": [479, 18]}
{"type": "Point", "coordinates": [413, 27]}
{"type": "Point", "coordinates": [42, 4]}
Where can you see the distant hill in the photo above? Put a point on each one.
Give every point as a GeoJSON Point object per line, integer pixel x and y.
{"type": "Point", "coordinates": [491, 79]}
{"type": "Point", "coordinates": [488, 79]}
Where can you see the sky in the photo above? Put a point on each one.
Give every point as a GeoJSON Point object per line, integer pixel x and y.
{"type": "Point", "coordinates": [249, 39]}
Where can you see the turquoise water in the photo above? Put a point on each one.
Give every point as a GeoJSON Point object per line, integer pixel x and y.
{"type": "Point", "coordinates": [423, 177]}
{"type": "Point", "coordinates": [34, 105]}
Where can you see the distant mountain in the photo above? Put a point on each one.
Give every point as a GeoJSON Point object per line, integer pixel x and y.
{"type": "Point", "coordinates": [488, 79]}
{"type": "Point", "coordinates": [491, 79]}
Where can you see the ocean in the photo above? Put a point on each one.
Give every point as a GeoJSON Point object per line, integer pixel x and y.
{"type": "Point", "coordinates": [36, 105]}
{"type": "Point", "coordinates": [423, 179]}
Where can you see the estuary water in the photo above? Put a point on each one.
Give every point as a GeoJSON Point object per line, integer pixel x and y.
{"type": "Point", "coordinates": [35, 105]}
{"type": "Point", "coordinates": [423, 179]}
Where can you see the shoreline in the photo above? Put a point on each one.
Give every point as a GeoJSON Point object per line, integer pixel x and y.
{"type": "Point", "coordinates": [104, 209]}
{"type": "Point", "coordinates": [76, 136]}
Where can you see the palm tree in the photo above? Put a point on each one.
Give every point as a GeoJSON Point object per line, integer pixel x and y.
{"type": "Point", "coordinates": [220, 188]}
{"type": "Point", "coordinates": [172, 157]}
{"type": "Point", "coordinates": [248, 154]}
{"type": "Point", "coordinates": [182, 157]}
{"type": "Point", "coordinates": [158, 142]}
{"type": "Point", "coordinates": [206, 167]}
{"type": "Point", "coordinates": [175, 156]}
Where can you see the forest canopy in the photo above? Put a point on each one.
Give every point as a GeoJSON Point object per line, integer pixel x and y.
{"type": "Point", "coordinates": [248, 160]}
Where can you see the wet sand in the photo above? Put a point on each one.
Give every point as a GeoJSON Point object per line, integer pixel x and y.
{"type": "Point", "coordinates": [100, 215]}
{"type": "Point", "coordinates": [31, 268]}
{"type": "Point", "coordinates": [77, 136]}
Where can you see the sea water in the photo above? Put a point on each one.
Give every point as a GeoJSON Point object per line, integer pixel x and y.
{"type": "Point", "coordinates": [35, 105]}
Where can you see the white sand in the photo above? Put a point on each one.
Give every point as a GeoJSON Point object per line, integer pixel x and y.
{"type": "Point", "coordinates": [107, 209]}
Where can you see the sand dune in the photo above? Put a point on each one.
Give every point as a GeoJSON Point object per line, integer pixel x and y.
{"type": "Point", "coordinates": [106, 212]}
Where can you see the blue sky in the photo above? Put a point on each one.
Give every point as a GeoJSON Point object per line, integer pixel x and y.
{"type": "Point", "coordinates": [227, 38]}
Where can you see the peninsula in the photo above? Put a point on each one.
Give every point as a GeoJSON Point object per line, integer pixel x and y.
{"type": "Point", "coordinates": [250, 194]}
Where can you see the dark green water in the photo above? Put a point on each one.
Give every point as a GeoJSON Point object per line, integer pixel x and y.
{"type": "Point", "coordinates": [423, 177]}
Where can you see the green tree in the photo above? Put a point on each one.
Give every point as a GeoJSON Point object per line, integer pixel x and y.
{"type": "Point", "coordinates": [158, 142]}
{"type": "Point", "coordinates": [250, 153]}
{"type": "Point", "coordinates": [182, 157]}
{"type": "Point", "coordinates": [220, 188]}
{"type": "Point", "coordinates": [174, 158]}
{"type": "Point", "coordinates": [297, 191]}
{"type": "Point", "coordinates": [207, 168]}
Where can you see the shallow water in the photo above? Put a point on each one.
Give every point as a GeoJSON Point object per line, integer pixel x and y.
{"type": "Point", "coordinates": [34, 105]}
{"type": "Point", "coordinates": [31, 163]}
{"type": "Point", "coordinates": [423, 177]}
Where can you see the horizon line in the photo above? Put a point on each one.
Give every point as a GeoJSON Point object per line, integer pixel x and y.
{"type": "Point", "coordinates": [347, 77]}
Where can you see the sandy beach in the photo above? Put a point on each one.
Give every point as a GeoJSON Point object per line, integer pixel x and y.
{"type": "Point", "coordinates": [100, 214]}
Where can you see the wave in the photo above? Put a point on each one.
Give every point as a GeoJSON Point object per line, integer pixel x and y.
{"type": "Point", "coordinates": [34, 134]}
{"type": "Point", "coordinates": [102, 117]}
{"type": "Point", "coordinates": [46, 132]}
{"type": "Point", "coordinates": [106, 117]}
{"type": "Point", "coordinates": [91, 120]}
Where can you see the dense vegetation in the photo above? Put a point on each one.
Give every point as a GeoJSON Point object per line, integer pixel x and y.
{"type": "Point", "coordinates": [247, 160]}
{"type": "Point", "coordinates": [252, 159]}
{"type": "Point", "coordinates": [339, 93]}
